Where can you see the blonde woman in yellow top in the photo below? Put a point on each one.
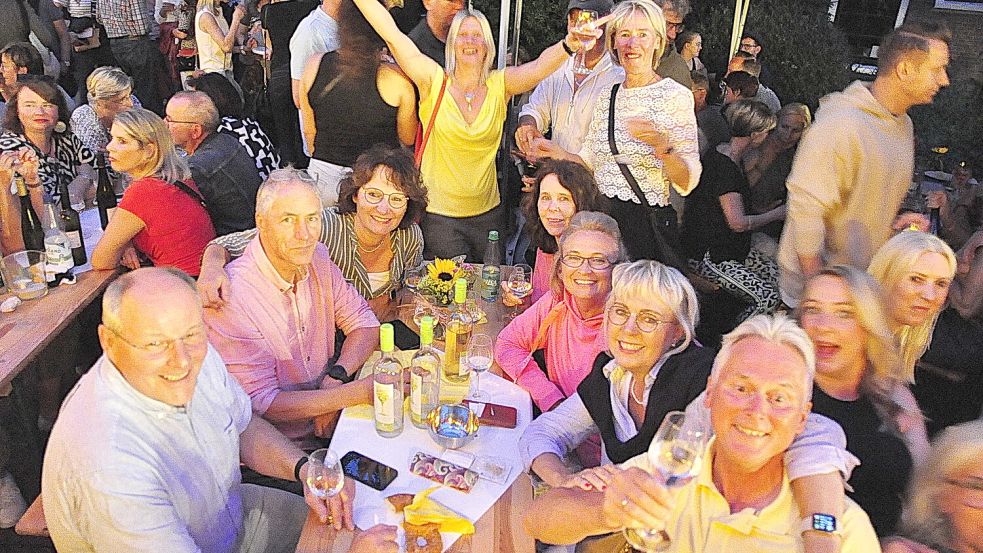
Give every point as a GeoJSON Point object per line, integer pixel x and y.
{"type": "Point", "coordinates": [458, 163]}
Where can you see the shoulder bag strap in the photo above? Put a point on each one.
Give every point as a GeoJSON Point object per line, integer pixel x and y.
{"type": "Point", "coordinates": [191, 192]}
{"type": "Point", "coordinates": [625, 171]}
{"type": "Point", "coordinates": [418, 157]}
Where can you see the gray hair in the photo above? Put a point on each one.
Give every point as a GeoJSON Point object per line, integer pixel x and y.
{"type": "Point", "coordinates": [645, 278]}
{"type": "Point", "coordinates": [778, 329]}
{"type": "Point", "coordinates": [450, 51]}
{"type": "Point", "coordinates": [278, 180]}
{"type": "Point", "coordinates": [626, 9]}
{"type": "Point", "coordinates": [112, 299]}
{"type": "Point", "coordinates": [199, 108]}
{"type": "Point", "coordinates": [752, 67]}
{"type": "Point", "coordinates": [796, 108]}
{"type": "Point", "coordinates": [681, 7]}
{"type": "Point", "coordinates": [107, 82]}
{"type": "Point", "coordinates": [580, 222]}
{"type": "Point", "coordinates": [146, 127]}
{"type": "Point", "coordinates": [746, 117]}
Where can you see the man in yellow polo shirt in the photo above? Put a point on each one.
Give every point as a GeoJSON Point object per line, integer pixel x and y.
{"type": "Point", "coordinates": [758, 395]}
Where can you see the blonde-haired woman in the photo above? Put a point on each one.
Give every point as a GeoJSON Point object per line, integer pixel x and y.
{"type": "Point", "coordinates": [654, 131]}
{"type": "Point", "coordinates": [860, 383]}
{"type": "Point", "coordinates": [944, 510]}
{"type": "Point", "coordinates": [458, 163]}
{"type": "Point", "coordinates": [215, 37]}
{"type": "Point", "coordinates": [110, 91]}
{"type": "Point", "coordinates": [162, 214]}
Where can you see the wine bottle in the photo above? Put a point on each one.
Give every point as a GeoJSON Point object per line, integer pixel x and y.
{"type": "Point", "coordinates": [30, 224]}
{"type": "Point", "coordinates": [387, 388]}
{"type": "Point", "coordinates": [457, 336]}
{"type": "Point", "coordinates": [105, 194]}
{"type": "Point", "coordinates": [424, 376]}
{"type": "Point", "coordinates": [491, 272]}
{"type": "Point", "coordinates": [73, 226]}
{"type": "Point", "coordinates": [57, 249]}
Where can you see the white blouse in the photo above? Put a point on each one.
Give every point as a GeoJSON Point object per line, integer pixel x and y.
{"type": "Point", "coordinates": [666, 103]}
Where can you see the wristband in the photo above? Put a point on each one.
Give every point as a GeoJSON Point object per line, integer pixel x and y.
{"type": "Point", "coordinates": [570, 51]}
{"type": "Point", "coordinates": [300, 464]}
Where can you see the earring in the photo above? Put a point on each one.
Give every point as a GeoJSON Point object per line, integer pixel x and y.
{"type": "Point", "coordinates": [60, 127]}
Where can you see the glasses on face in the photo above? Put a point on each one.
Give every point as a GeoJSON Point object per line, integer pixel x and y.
{"type": "Point", "coordinates": [121, 101]}
{"type": "Point", "coordinates": [290, 174]}
{"type": "Point", "coordinates": [748, 45]}
{"type": "Point", "coordinates": [645, 321]}
{"type": "Point", "coordinates": [575, 261]}
{"type": "Point", "coordinates": [170, 121]}
{"type": "Point", "coordinates": [678, 27]}
{"type": "Point", "coordinates": [397, 200]}
{"type": "Point", "coordinates": [194, 338]}
{"type": "Point", "coordinates": [32, 106]}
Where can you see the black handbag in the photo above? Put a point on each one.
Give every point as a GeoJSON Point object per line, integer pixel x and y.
{"type": "Point", "coordinates": [663, 221]}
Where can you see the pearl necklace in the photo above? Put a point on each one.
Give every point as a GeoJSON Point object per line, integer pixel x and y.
{"type": "Point", "coordinates": [631, 392]}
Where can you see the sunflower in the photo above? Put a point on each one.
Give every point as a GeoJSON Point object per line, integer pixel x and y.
{"type": "Point", "coordinates": [443, 270]}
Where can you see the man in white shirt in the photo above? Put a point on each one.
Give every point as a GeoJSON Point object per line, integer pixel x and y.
{"type": "Point", "coordinates": [565, 100]}
{"type": "Point", "coordinates": [315, 34]}
{"type": "Point", "coordinates": [758, 395]}
{"type": "Point", "coordinates": [145, 452]}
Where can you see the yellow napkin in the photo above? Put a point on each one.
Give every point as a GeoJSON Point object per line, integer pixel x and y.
{"type": "Point", "coordinates": [424, 510]}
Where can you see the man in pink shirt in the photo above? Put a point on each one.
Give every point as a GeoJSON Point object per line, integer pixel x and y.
{"type": "Point", "coordinates": [276, 332]}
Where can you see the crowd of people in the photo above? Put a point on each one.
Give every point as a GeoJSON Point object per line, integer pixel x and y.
{"type": "Point", "coordinates": [698, 242]}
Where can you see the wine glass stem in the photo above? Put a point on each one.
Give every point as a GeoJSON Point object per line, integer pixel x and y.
{"type": "Point", "coordinates": [477, 384]}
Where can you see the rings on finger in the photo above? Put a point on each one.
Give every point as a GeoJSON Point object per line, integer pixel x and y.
{"type": "Point", "coordinates": [624, 502]}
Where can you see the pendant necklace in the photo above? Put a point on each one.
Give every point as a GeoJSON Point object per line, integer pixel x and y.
{"type": "Point", "coordinates": [469, 97]}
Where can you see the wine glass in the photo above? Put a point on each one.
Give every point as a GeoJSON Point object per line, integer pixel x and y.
{"type": "Point", "coordinates": [520, 285]}
{"type": "Point", "coordinates": [479, 360]}
{"type": "Point", "coordinates": [325, 475]}
{"type": "Point", "coordinates": [412, 277]}
{"type": "Point", "coordinates": [676, 453]}
{"type": "Point", "coordinates": [583, 26]}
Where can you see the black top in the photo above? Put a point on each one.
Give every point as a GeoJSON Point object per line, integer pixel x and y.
{"type": "Point", "coordinates": [704, 226]}
{"type": "Point", "coordinates": [771, 191]}
{"type": "Point", "coordinates": [428, 43]}
{"type": "Point", "coordinates": [349, 118]}
{"type": "Point", "coordinates": [281, 19]}
{"type": "Point", "coordinates": [228, 179]}
{"type": "Point", "coordinates": [681, 378]}
{"type": "Point", "coordinates": [885, 462]}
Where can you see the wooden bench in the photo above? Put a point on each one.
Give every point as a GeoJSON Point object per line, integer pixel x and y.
{"type": "Point", "coordinates": [32, 523]}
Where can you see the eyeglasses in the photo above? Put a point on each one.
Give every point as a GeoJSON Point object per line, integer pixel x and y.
{"type": "Point", "coordinates": [575, 261]}
{"type": "Point", "coordinates": [397, 200]}
{"type": "Point", "coordinates": [748, 45]}
{"type": "Point", "coordinates": [195, 338]}
{"type": "Point", "coordinates": [645, 321]}
{"type": "Point", "coordinates": [168, 120]}
{"type": "Point", "coordinates": [123, 101]}
{"type": "Point", "coordinates": [291, 174]}
{"type": "Point", "coordinates": [678, 27]}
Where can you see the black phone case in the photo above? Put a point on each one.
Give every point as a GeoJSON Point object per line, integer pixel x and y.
{"type": "Point", "coordinates": [379, 477]}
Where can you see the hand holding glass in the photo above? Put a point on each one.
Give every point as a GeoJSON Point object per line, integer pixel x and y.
{"type": "Point", "coordinates": [325, 475]}
{"type": "Point", "coordinates": [584, 26]}
{"type": "Point", "coordinates": [676, 453]}
{"type": "Point", "coordinates": [520, 285]}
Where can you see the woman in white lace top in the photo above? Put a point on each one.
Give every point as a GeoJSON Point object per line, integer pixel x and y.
{"type": "Point", "coordinates": [654, 131]}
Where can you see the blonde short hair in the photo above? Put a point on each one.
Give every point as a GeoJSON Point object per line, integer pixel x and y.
{"type": "Point", "coordinates": [892, 262]}
{"type": "Point", "coordinates": [621, 13]}
{"type": "Point", "coordinates": [450, 51]}
{"type": "Point", "coordinates": [583, 221]}
{"type": "Point", "coordinates": [107, 82]}
{"type": "Point", "coordinates": [146, 127]}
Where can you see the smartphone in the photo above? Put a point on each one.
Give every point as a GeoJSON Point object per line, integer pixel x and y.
{"type": "Point", "coordinates": [404, 337]}
{"type": "Point", "coordinates": [368, 471]}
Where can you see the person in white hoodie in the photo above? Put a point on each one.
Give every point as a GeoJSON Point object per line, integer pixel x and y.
{"type": "Point", "coordinates": [855, 164]}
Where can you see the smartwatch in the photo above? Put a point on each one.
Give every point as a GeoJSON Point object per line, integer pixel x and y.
{"type": "Point", "coordinates": [338, 373]}
{"type": "Point", "coordinates": [820, 522]}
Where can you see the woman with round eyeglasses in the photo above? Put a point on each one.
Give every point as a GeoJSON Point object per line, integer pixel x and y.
{"type": "Point", "coordinates": [649, 323]}
{"type": "Point", "coordinates": [547, 349]}
{"type": "Point", "coordinates": [371, 234]}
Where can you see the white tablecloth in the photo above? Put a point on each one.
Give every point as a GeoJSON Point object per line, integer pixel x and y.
{"type": "Point", "coordinates": [356, 432]}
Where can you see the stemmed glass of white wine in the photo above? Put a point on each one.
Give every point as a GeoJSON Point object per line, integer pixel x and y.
{"type": "Point", "coordinates": [676, 453]}
{"type": "Point", "coordinates": [479, 360]}
{"type": "Point", "coordinates": [325, 475]}
{"type": "Point", "coordinates": [520, 285]}
{"type": "Point", "coordinates": [584, 27]}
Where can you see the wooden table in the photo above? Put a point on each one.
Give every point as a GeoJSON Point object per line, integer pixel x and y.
{"type": "Point", "coordinates": [500, 530]}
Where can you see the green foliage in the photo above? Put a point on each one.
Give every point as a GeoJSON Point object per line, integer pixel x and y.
{"type": "Point", "coordinates": [954, 120]}
{"type": "Point", "coordinates": [806, 54]}
{"type": "Point", "coordinates": [543, 23]}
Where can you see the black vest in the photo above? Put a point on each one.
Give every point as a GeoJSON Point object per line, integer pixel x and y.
{"type": "Point", "coordinates": [680, 380]}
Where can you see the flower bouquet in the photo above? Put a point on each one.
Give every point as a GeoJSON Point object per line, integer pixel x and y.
{"type": "Point", "coordinates": [437, 285]}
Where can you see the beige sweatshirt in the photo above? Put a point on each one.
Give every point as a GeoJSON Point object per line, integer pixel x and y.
{"type": "Point", "coordinates": [850, 174]}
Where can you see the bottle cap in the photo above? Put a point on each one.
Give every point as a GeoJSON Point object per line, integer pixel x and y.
{"type": "Point", "coordinates": [493, 235]}
{"type": "Point", "coordinates": [386, 337]}
{"type": "Point", "coordinates": [460, 290]}
{"type": "Point", "coordinates": [426, 330]}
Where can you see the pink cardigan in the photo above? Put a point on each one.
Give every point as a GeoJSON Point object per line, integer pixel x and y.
{"type": "Point", "coordinates": [571, 343]}
{"type": "Point", "coordinates": [541, 274]}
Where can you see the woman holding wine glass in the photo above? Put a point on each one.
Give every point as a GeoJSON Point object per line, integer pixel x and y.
{"type": "Point", "coordinates": [371, 234]}
{"type": "Point", "coordinates": [467, 106]}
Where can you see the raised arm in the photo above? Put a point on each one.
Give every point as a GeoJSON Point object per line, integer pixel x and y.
{"type": "Point", "coordinates": [525, 77]}
{"type": "Point", "coordinates": [417, 66]}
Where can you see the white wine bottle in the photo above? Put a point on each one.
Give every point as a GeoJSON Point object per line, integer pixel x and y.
{"type": "Point", "coordinates": [458, 334]}
{"type": "Point", "coordinates": [388, 387]}
{"type": "Point", "coordinates": [424, 376]}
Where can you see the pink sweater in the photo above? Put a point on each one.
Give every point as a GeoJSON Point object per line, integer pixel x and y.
{"type": "Point", "coordinates": [571, 343]}
{"type": "Point", "coordinates": [541, 274]}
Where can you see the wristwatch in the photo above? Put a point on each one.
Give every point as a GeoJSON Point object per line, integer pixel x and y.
{"type": "Point", "coordinates": [820, 522]}
{"type": "Point", "coordinates": [336, 372]}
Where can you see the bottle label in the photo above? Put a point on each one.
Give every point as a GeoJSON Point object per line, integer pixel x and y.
{"type": "Point", "coordinates": [74, 239]}
{"type": "Point", "coordinates": [416, 395]}
{"type": "Point", "coordinates": [58, 260]}
{"type": "Point", "coordinates": [490, 276]}
{"type": "Point", "coordinates": [385, 403]}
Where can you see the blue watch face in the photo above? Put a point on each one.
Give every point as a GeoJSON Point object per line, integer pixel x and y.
{"type": "Point", "coordinates": [823, 522]}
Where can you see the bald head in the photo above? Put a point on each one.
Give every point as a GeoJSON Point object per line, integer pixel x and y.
{"type": "Point", "coordinates": [145, 285]}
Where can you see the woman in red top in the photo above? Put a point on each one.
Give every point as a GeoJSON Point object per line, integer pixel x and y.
{"type": "Point", "coordinates": [162, 214]}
